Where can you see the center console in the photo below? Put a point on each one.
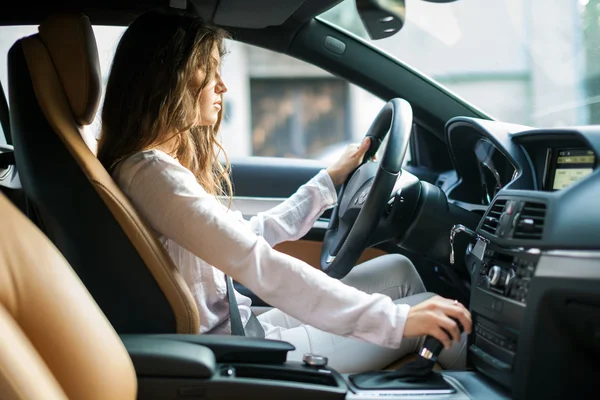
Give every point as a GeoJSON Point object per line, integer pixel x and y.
{"type": "Point", "coordinates": [536, 308]}
{"type": "Point", "coordinates": [501, 282]}
{"type": "Point", "coordinates": [172, 366]}
{"type": "Point", "coordinates": [177, 366]}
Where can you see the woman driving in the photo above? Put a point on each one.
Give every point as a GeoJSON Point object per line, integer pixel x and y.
{"type": "Point", "coordinates": [160, 121]}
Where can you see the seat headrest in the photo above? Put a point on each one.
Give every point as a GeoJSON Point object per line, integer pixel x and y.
{"type": "Point", "coordinates": [71, 44]}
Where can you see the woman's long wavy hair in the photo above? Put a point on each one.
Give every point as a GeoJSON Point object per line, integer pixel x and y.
{"type": "Point", "coordinates": [150, 98]}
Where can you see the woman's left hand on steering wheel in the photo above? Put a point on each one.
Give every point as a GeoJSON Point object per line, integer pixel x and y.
{"type": "Point", "coordinates": [348, 161]}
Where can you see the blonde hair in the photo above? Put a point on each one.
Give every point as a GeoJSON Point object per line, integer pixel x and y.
{"type": "Point", "coordinates": [150, 100]}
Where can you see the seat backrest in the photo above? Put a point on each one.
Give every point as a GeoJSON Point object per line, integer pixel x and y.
{"type": "Point", "coordinates": [55, 341]}
{"type": "Point", "coordinates": [54, 90]}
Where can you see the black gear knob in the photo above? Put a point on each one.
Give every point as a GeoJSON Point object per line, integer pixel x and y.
{"type": "Point", "coordinates": [433, 347]}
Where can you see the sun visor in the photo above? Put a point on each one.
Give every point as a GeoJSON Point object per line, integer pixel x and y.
{"type": "Point", "coordinates": [263, 13]}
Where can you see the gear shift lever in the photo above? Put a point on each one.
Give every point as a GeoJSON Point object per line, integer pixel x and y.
{"type": "Point", "coordinates": [433, 347]}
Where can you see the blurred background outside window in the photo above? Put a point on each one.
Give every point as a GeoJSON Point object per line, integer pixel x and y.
{"type": "Point", "coordinates": [532, 62]}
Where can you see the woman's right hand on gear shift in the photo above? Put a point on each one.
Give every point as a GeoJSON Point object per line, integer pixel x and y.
{"type": "Point", "coordinates": [433, 316]}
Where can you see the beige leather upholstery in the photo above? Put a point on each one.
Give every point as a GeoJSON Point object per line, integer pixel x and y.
{"type": "Point", "coordinates": [55, 343]}
{"type": "Point", "coordinates": [309, 251]}
{"type": "Point", "coordinates": [71, 44]}
{"type": "Point", "coordinates": [65, 74]}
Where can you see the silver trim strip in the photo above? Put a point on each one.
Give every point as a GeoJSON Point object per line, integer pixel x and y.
{"type": "Point", "coordinates": [457, 392]}
{"type": "Point", "coordinates": [250, 206]}
{"type": "Point", "coordinates": [561, 266]}
{"type": "Point", "coordinates": [321, 224]}
{"type": "Point", "coordinates": [256, 198]}
{"type": "Point", "coordinates": [573, 253]}
{"type": "Point", "coordinates": [403, 394]}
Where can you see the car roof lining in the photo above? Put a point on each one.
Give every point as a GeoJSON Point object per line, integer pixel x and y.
{"type": "Point", "coordinates": [254, 14]}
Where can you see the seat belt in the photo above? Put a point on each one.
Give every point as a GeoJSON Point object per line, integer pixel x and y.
{"type": "Point", "coordinates": [253, 327]}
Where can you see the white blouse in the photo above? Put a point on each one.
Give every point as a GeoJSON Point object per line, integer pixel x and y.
{"type": "Point", "coordinates": [206, 240]}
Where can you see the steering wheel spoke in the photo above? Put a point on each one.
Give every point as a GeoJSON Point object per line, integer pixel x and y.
{"type": "Point", "coordinates": [334, 239]}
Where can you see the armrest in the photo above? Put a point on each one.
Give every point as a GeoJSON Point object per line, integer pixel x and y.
{"type": "Point", "coordinates": [162, 357]}
{"type": "Point", "coordinates": [228, 348]}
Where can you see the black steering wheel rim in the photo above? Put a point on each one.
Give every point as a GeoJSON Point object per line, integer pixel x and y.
{"type": "Point", "coordinates": [364, 195]}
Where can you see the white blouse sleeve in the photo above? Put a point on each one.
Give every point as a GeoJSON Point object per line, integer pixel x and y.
{"type": "Point", "coordinates": [176, 206]}
{"type": "Point", "coordinates": [294, 217]}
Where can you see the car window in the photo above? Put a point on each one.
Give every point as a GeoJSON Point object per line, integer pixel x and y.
{"type": "Point", "coordinates": [528, 62]}
{"type": "Point", "coordinates": [276, 106]}
{"type": "Point", "coordinates": [107, 38]}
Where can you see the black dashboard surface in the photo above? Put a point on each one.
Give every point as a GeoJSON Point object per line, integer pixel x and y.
{"type": "Point", "coordinates": [548, 179]}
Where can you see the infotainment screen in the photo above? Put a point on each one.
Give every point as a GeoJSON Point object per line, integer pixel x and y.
{"type": "Point", "coordinates": [571, 165]}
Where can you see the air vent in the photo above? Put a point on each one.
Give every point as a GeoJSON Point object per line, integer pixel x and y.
{"type": "Point", "coordinates": [530, 225]}
{"type": "Point", "coordinates": [492, 219]}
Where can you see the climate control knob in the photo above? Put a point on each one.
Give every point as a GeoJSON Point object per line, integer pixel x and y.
{"type": "Point", "coordinates": [499, 278]}
{"type": "Point", "coordinates": [494, 276]}
{"type": "Point", "coordinates": [509, 277]}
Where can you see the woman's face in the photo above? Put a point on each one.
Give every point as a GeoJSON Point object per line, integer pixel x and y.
{"type": "Point", "coordinates": [211, 97]}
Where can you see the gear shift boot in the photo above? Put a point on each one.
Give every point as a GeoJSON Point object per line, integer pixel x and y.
{"type": "Point", "coordinates": [416, 375]}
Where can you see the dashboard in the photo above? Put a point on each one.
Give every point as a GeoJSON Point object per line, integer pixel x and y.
{"type": "Point", "coordinates": [535, 263]}
{"type": "Point", "coordinates": [550, 176]}
{"type": "Point", "coordinates": [491, 156]}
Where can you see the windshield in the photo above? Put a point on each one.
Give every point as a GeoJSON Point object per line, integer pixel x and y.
{"type": "Point", "coordinates": [533, 62]}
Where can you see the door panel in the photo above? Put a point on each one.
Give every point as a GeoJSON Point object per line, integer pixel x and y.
{"type": "Point", "coordinates": [252, 205]}
{"type": "Point", "coordinates": [309, 251]}
{"type": "Point", "coordinates": [271, 177]}
{"type": "Point", "coordinates": [261, 183]}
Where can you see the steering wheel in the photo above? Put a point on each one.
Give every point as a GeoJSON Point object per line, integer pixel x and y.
{"type": "Point", "coordinates": [367, 191]}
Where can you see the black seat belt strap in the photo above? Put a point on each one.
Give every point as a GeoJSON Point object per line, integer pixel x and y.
{"type": "Point", "coordinates": [237, 328]}
{"type": "Point", "coordinates": [253, 327]}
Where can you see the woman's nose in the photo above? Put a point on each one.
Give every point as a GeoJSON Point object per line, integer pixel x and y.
{"type": "Point", "coordinates": [221, 86]}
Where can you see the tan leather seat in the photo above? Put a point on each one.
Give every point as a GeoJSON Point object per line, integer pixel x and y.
{"type": "Point", "coordinates": [55, 341]}
{"type": "Point", "coordinates": [55, 84]}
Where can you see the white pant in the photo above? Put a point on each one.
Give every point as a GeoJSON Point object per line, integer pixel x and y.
{"type": "Point", "coordinates": [393, 275]}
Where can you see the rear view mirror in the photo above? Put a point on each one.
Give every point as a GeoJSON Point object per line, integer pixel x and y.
{"type": "Point", "coordinates": [381, 18]}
